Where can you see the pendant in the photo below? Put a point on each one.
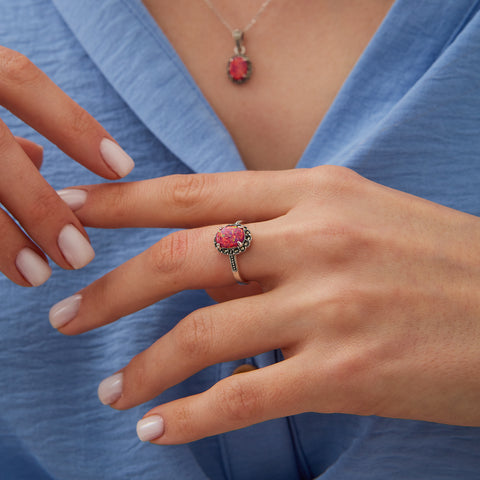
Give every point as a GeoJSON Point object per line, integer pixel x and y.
{"type": "Point", "coordinates": [239, 67]}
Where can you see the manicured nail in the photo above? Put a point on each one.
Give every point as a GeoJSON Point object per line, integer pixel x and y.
{"type": "Point", "coordinates": [150, 428]}
{"type": "Point", "coordinates": [116, 158]}
{"type": "Point", "coordinates": [33, 267]}
{"type": "Point", "coordinates": [64, 311]}
{"type": "Point", "coordinates": [75, 247]}
{"type": "Point", "coordinates": [110, 389]}
{"type": "Point", "coordinates": [73, 197]}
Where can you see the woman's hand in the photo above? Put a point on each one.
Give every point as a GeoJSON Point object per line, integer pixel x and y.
{"type": "Point", "coordinates": [52, 227]}
{"type": "Point", "coordinates": [373, 296]}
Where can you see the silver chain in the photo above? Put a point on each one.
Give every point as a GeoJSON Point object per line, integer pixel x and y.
{"type": "Point", "coordinates": [252, 22]}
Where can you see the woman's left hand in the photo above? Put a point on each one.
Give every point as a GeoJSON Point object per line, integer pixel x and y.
{"type": "Point", "coordinates": [373, 296]}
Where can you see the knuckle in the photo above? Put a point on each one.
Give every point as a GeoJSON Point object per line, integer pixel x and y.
{"type": "Point", "coordinates": [194, 335]}
{"type": "Point", "coordinates": [168, 256]}
{"type": "Point", "coordinates": [186, 190]}
{"type": "Point", "coordinates": [340, 241]}
{"type": "Point", "coordinates": [332, 181]}
{"type": "Point", "coordinates": [46, 206]}
{"type": "Point", "coordinates": [184, 420]}
{"type": "Point", "coordinates": [80, 123]}
{"type": "Point", "coordinates": [237, 400]}
{"type": "Point", "coordinates": [335, 173]}
{"type": "Point", "coordinates": [16, 68]}
{"type": "Point", "coordinates": [350, 379]}
{"type": "Point", "coordinates": [114, 202]}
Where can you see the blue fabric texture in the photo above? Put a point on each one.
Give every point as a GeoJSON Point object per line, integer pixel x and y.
{"type": "Point", "coordinates": [408, 117]}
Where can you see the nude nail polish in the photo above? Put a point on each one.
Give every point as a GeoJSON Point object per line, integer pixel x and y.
{"type": "Point", "coordinates": [75, 247]}
{"type": "Point", "coordinates": [150, 428]}
{"type": "Point", "coordinates": [65, 311]}
{"type": "Point", "coordinates": [116, 158]}
{"type": "Point", "coordinates": [73, 197]}
{"type": "Point", "coordinates": [110, 389]}
{"type": "Point", "coordinates": [33, 267]}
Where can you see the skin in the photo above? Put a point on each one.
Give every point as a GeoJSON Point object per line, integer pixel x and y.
{"type": "Point", "coordinates": [380, 318]}
{"type": "Point", "coordinates": [247, 112]}
{"type": "Point", "coordinates": [24, 193]}
{"type": "Point", "coordinates": [299, 51]}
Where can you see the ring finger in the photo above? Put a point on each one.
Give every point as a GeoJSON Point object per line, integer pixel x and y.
{"type": "Point", "coordinates": [183, 260]}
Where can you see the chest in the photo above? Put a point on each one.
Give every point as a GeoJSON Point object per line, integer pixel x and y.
{"type": "Point", "coordinates": [301, 54]}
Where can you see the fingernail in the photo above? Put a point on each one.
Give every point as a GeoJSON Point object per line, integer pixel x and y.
{"type": "Point", "coordinates": [64, 311]}
{"type": "Point", "coordinates": [33, 267]}
{"type": "Point", "coordinates": [110, 389]}
{"type": "Point", "coordinates": [116, 158]}
{"type": "Point", "coordinates": [73, 197]}
{"type": "Point", "coordinates": [75, 247]}
{"type": "Point", "coordinates": [150, 428]}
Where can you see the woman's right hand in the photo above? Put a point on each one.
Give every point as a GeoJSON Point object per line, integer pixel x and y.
{"type": "Point", "coordinates": [50, 225]}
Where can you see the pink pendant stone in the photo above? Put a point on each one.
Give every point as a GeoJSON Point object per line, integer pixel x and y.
{"type": "Point", "coordinates": [239, 68]}
{"type": "Point", "coordinates": [229, 236]}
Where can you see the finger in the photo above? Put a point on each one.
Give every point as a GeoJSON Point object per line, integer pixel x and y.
{"type": "Point", "coordinates": [30, 95]}
{"type": "Point", "coordinates": [228, 331]}
{"type": "Point", "coordinates": [193, 200]}
{"type": "Point", "coordinates": [21, 260]}
{"type": "Point", "coordinates": [184, 260]}
{"type": "Point", "coordinates": [234, 402]}
{"type": "Point", "coordinates": [232, 292]}
{"type": "Point", "coordinates": [34, 203]}
{"type": "Point", "coordinates": [33, 150]}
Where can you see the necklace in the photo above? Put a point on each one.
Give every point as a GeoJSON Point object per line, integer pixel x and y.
{"type": "Point", "coordinates": [239, 66]}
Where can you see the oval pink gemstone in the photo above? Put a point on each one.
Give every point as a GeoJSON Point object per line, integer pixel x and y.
{"type": "Point", "coordinates": [229, 236]}
{"type": "Point", "coordinates": [238, 68]}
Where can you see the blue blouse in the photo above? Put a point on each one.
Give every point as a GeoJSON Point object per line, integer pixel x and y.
{"type": "Point", "coordinates": [408, 116]}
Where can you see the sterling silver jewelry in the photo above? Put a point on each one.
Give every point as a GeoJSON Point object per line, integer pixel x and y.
{"type": "Point", "coordinates": [239, 66]}
{"type": "Point", "coordinates": [232, 240]}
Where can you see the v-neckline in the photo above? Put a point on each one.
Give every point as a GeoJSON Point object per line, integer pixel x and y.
{"type": "Point", "coordinates": [382, 31]}
{"type": "Point", "coordinates": [160, 90]}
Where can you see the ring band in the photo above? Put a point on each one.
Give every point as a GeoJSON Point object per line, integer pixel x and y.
{"type": "Point", "coordinates": [231, 240]}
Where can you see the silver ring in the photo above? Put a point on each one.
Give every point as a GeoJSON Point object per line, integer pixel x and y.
{"type": "Point", "coordinates": [232, 240]}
